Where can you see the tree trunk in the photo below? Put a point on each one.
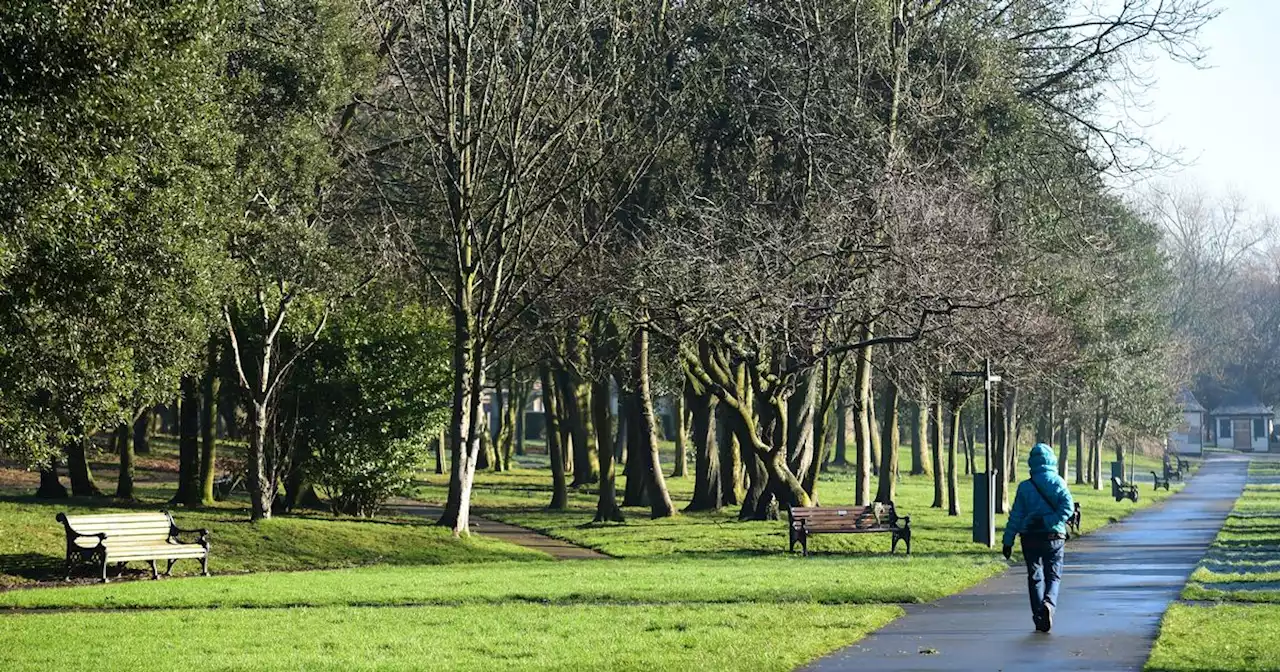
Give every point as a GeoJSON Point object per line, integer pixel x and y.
{"type": "Point", "coordinates": [935, 450]}
{"type": "Point", "coordinates": [841, 457]}
{"type": "Point", "coordinates": [82, 483]}
{"type": "Point", "coordinates": [920, 464]}
{"type": "Point", "coordinates": [707, 490]}
{"type": "Point", "coordinates": [876, 430]}
{"type": "Point", "coordinates": [1080, 467]}
{"type": "Point", "coordinates": [889, 447]}
{"type": "Point", "coordinates": [466, 415]}
{"type": "Point", "coordinates": [142, 431]}
{"type": "Point", "coordinates": [966, 437]}
{"type": "Point", "coordinates": [500, 414]}
{"type": "Point", "coordinates": [998, 457]}
{"type": "Point", "coordinates": [522, 403]}
{"type": "Point", "coordinates": [440, 441]}
{"type": "Point", "coordinates": [123, 439]}
{"type": "Point", "coordinates": [576, 407]}
{"type": "Point", "coordinates": [682, 455]}
{"type": "Point", "coordinates": [953, 480]}
{"type": "Point", "coordinates": [1009, 414]}
{"type": "Point", "coordinates": [1064, 452]}
{"type": "Point", "coordinates": [731, 470]}
{"type": "Point", "coordinates": [607, 504]}
{"type": "Point", "coordinates": [189, 444]}
{"type": "Point", "coordinates": [634, 491]}
{"type": "Point", "coordinates": [50, 486]}
{"type": "Point", "coordinates": [660, 505]}
{"type": "Point", "coordinates": [862, 422]}
{"type": "Point", "coordinates": [551, 414]}
{"type": "Point", "coordinates": [209, 426]}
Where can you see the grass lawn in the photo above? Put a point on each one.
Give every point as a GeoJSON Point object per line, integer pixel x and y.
{"type": "Point", "coordinates": [1221, 638]}
{"type": "Point", "coordinates": [701, 590]}
{"type": "Point", "coordinates": [32, 541]}
{"type": "Point", "coordinates": [517, 636]}
{"type": "Point", "coordinates": [1241, 572]}
{"type": "Point", "coordinates": [520, 496]}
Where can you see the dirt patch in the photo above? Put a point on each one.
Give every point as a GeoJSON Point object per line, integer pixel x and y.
{"type": "Point", "coordinates": [11, 477]}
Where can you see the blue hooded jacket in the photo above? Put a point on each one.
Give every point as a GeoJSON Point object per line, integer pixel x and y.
{"type": "Point", "coordinates": [1028, 504]}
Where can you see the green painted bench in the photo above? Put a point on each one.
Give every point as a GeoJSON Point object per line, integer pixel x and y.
{"type": "Point", "coordinates": [121, 538]}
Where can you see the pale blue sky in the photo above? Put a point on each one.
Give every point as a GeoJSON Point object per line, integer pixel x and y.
{"type": "Point", "coordinates": [1226, 118]}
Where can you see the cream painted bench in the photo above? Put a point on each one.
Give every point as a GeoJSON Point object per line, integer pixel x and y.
{"type": "Point", "coordinates": [121, 538]}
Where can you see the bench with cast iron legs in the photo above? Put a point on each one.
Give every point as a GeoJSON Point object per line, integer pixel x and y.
{"type": "Point", "coordinates": [1121, 490]}
{"type": "Point", "coordinates": [1160, 482]}
{"type": "Point", "coordinates": [805, 521]}
{"type": "Point", "coordinates": [121, 538]}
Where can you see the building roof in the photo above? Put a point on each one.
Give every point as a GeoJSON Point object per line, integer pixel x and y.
{"type": "Point", "coordinates": [1189, 402]}
{"type": "Point", "coordinates": [1243, 409]}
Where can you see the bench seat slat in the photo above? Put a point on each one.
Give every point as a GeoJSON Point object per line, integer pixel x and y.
{"type": "Point", "coordinates": [128, 537]}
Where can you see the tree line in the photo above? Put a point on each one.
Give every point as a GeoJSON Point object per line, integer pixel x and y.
{"type": "Point", "coordinates": [357, 221]}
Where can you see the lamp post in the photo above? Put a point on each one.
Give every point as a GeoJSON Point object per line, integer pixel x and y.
{"type": "Point", "coordinates": [984, 503]}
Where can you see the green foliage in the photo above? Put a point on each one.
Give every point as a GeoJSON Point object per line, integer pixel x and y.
{"type": "Point", "coordinates": [107, 162]}
{"type": "Point", "coordinates": [369, 394]}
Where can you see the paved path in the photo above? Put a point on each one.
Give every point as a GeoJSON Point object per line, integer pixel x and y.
{"type": "Point", "coordinates": [520, 536]}
{"type": "Point", "coordinates": [1118, 583]}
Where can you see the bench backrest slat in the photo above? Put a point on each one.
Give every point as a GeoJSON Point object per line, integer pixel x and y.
{"type": "Point", "coordinates": [120, 527]}
{"type": "Point", "coordinates": [854, 517]}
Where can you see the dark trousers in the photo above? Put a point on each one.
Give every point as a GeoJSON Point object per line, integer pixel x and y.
{"type": "Point", "coordinates": [1044, 571]}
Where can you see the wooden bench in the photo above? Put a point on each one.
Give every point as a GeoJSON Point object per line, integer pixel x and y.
{"type": "Point", "coordinates": [1073, 523]}
{"type": "Point", "coordinates": [1121, 490]}
{"type": "Point", "coordinates": [121, 538]}
{"type": "Point", "coordinates": [805, 521]}
{"type": "Point", "coordinates": [1160, 482]}
{"type": "Point", "coordinates": [1175, 468]}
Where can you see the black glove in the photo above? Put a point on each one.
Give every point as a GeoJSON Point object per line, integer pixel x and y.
{"type": "Point", "coordinates": [1008, 551]}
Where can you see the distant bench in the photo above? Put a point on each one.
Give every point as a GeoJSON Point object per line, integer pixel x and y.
{"type": "Point", "coordinates": [121, 538]}
{"type": "Point", "coordinates": [1073, 523]}
{"type": "Point", "coordinates": [1160, 482]}
{"type": "Point", "coordinates": [805, 521]}
{"type": "Point", "coordinates": [1121, 490]}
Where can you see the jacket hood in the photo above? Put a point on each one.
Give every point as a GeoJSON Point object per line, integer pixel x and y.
{"type": "Point", "coordinates": [1042, 458]}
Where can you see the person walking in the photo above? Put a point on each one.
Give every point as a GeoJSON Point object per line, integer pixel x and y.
{"type": "Point", "coordinates": [1040, 512]}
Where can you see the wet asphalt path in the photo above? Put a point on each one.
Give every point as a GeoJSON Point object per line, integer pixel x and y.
{"type": "Point", "coordinates": [1118, 582]}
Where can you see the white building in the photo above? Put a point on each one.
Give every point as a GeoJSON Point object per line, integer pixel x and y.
{"type": "Point", "coordinates": [1188, 437]}
{"type": "Point", "coordinates": [1243, 426]}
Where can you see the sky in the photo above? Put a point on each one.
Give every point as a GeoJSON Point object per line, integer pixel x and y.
{"type": "Point", "coordinates": [1224, 118]}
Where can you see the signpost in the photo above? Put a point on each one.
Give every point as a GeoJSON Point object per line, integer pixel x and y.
{"type": "Point", "coordinates": [984, 503]}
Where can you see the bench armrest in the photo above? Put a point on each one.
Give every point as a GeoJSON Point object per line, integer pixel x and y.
{"type": "Point", "coordinates": [204, 533]}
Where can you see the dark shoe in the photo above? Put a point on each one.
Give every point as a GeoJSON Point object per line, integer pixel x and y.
{"type": "Point", "coordinates": [1047, 618]}
{"type": "Point", "coordinates": [1038, 619]}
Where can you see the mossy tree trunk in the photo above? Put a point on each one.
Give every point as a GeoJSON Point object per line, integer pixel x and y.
{"type": "Point", "coordinates": [123, 440]}
{"type": "Point", "coordinates": [707, 486]}
{"type": "Point", "coordinates": [953, 478]}
{"type": "Point", "coordinates": [607, 509]}
{"type": "Point", "coordinates": [660, 505]}
{"type": "Point", "coordinates": [679, 470]}
{"type": "Point", "coordinates": [142, 431]}
{"type": "Point", "coordinates": [889, 444]}
{"type": "Point", "coordinates": [209, 424]}
{"type": "Point", "coordinates": [78, 472]}
{"type": "Point", "coordinates": [188, 493]}
{"type": "Point", "coordinates": [559, 486]}
{"type": "Point", "coordinates": [935, 449]}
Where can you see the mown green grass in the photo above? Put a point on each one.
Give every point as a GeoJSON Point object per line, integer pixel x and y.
{"type": "Point", "coordinates": [32, 541]}
{"type": "Point", "coordinates": [1220, 638]}
{"type": "Point", "coordinates": [1243, 565]}
{"type": "Point", "coordinates": [520, 497]}
{"type": "Point", "coordinates": [517, 636]}
{"type": "Point", "coordinates": [774, 579]}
